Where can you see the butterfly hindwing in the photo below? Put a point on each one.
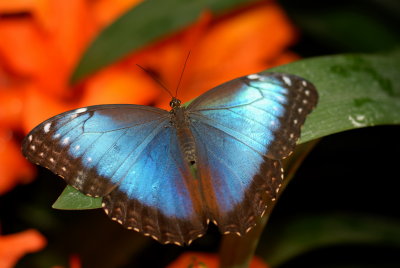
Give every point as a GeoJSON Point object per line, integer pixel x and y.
{"type": "Point", "coordinates": [243, 129]}
{"type": "Point", "coordinates": [161, 199]}
{"type": "Point", "coordinates": [234, 179]}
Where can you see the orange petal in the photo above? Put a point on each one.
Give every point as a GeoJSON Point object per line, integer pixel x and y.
{"type": "Point", "coordinates": [15, 6]}
{"type": "Point", "coordinates": [14, 246]}
{"type": "Point", "coordinates": [29, 53]}
{"type": "Point", "coordinates": [37, 8]}
{"type": "Point", "coordinates": [207, 260]}
{"type": "Point", "coordinates": [72, 27]}
{"type": "Point", "coordinates": [240, 44]}
{"type": "Point", "coordinates": [14, 168]}
{"type": "Point", "coordinates": [119, 84]}
{"type": "Point", "coordinates": [11, 107]}
{"type": "Point", "coordinates": [107, 10]}
{"type": "Point", "coordinates": [38, 106]}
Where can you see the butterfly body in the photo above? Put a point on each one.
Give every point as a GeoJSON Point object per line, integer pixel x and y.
{"type": "Point", "coordinates": [181, 122]}
{"type": "Point", "coordinates": [167, 174]}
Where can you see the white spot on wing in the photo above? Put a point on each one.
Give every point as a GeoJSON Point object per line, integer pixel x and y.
{"type": "Point", "coordinates": [46, 127]}
{"type": "Point", "coordinates": [80, 110]}
{"type": "Point", "coordinates": [30, 138]}
{"type": "Point", "coordinates": [77, 147]}
{"type": "Point", "coordinates": [33, 147]}
{"type": "Point", "coordinates": [287, 80]}
{"type": "Point", "coordinates": [304, 83]}
{"type": "Point", "coordinates": [253, 76]}
{"type": "Point", "coordinates": [65, 140]}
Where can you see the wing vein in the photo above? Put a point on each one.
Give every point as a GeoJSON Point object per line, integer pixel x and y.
{"type": "Point", "coordinates": [241, 141]}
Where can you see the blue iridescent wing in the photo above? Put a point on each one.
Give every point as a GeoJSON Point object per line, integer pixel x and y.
{"type": "Point", "coordinates": [242, 129]}
{"type": "Point", "coordinates": [129, 155]}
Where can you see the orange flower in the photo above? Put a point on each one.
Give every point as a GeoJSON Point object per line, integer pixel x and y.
{"type": "Point", "coordinates": [14, 246]}
{"type": "Point", "coordinates": [207, 260]}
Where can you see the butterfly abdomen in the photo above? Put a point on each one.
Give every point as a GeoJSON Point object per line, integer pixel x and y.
{"type": "Point", "coordinates": [185, 136]}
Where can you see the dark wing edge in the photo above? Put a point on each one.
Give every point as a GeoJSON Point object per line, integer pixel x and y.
{"type": "Point", "coordinates": [302, 99]}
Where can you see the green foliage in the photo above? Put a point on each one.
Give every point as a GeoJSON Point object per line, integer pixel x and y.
{"type": "Point", "coordinates": [72, 199]}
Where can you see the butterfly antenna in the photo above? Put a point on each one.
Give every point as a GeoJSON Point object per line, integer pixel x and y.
{"type": "Point", "coordinates": [155, 78]}
{"type": "Point", "coordinates": [180, 78]}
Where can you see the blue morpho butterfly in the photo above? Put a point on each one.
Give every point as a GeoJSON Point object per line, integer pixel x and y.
{"type": "Point", "coordinates": [167, 174]}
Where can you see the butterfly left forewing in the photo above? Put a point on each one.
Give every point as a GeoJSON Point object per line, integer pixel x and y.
{"type": "Point", "coordinates": [79, 145]}
{"type": "Point", "coordinates": [243, 129]}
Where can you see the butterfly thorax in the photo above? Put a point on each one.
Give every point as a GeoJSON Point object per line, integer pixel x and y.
{"type": "Point", "coordinates": [180, 121]}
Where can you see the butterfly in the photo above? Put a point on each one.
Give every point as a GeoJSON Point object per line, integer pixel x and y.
{"type": "Point", "coordinates": [167, 174]}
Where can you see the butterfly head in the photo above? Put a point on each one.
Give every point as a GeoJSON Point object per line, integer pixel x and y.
{"type": "Point", "coordinates": [174, 103]}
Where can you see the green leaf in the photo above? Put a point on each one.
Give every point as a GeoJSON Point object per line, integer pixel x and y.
{"type": "Point", "coordinates": [297, 236]}
{"type": "Point", "coordinates": [144, 23]}
{"type": "Point", "coordinates": [355, 91]}
{"type": "Point", "coordinates": [72, 199]}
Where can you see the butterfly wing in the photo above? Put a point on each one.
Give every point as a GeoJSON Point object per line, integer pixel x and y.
{"type": "Point", "coordinates": [242, 130]}
{"type": "Point", "coordinates": [129, 155]}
